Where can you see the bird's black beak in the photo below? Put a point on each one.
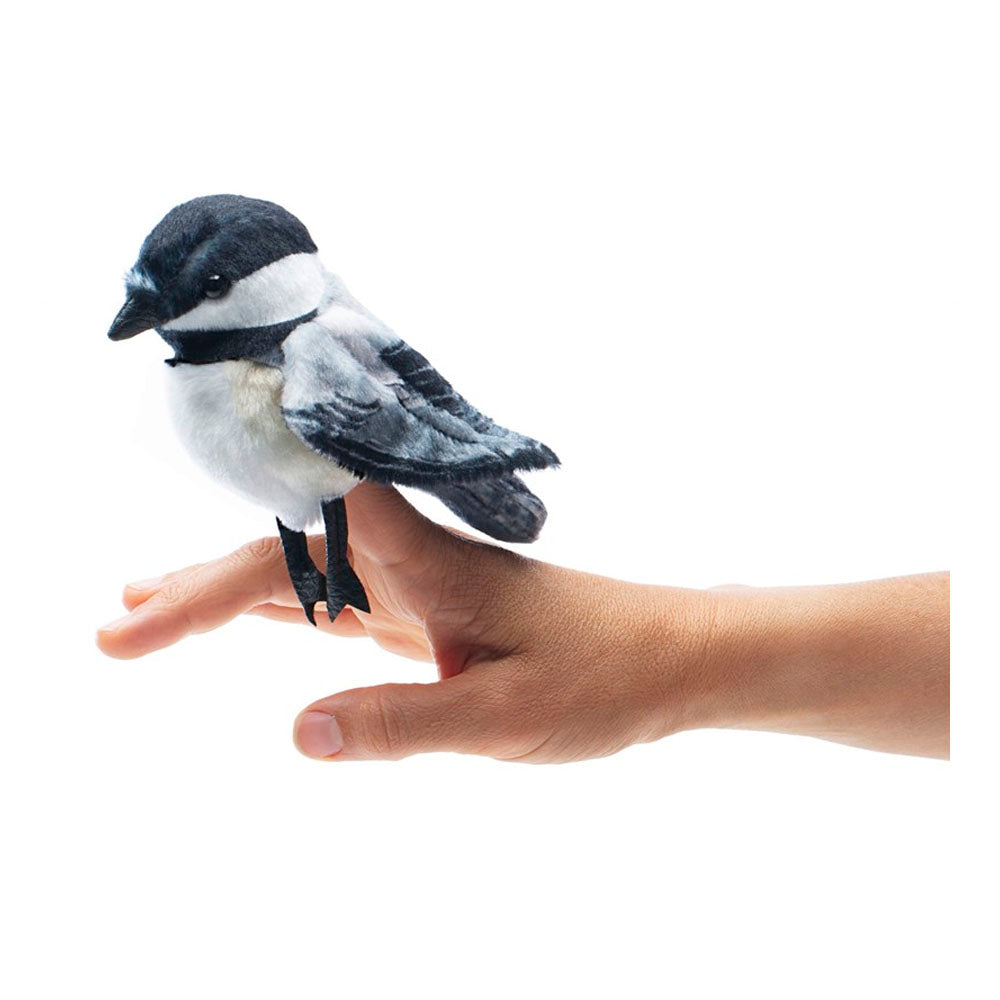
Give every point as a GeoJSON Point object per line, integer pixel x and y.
{"type": "Point", "coordinates": [142, 311]}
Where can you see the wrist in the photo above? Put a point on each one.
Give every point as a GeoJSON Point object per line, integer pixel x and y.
{"type": "Point", "coordinates": [767, 662]}
{"type": "Point", "coordinates": [679, 636]}
{"type": "Point", "coordinates": [735, 657]}
{"type": "Point", "coordinates": [864, 664]}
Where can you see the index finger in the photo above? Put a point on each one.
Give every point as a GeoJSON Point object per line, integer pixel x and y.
{"type": "Point", "coordinates": [194, 600]}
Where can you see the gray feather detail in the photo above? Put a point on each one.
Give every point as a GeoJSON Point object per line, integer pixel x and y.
{"type": "Point", "coordinates": [503, 508]}
{"type": "Point", "coordinates": [358, 395]}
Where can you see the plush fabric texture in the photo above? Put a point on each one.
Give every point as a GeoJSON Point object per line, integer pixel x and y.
{"type": "Point", "coordinates": [291, 286]}
{"type": "Point", "coordinates": [218, 234]}
{"type": "Point", "coordinates": [228, 416]}
{"type": "Point", "coordinates": [377, 407]}
{"type": "Point", "coordinates": [503, 508]}
{"type": "Point", "coordinates": [253, 318]}
{"type": "Point", "coordinates": [257, 343]}
{"type": "Point", "coordinates": [288, 390]}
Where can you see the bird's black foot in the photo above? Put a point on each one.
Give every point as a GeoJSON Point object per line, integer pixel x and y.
{"type": "Point", "coordinates": [308, 581]}
{"type": "Point", "coordinates": [342, 584]}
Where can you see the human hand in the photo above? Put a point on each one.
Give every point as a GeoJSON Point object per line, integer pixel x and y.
{"type": "Point", "coordinates": [537, 663]}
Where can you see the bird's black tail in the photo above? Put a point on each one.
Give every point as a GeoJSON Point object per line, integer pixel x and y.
{"type": "Point", "coordinates": [502, 507]}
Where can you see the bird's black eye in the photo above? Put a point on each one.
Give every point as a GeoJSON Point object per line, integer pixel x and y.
{"type": "Point", "coordinates": [215, 286]}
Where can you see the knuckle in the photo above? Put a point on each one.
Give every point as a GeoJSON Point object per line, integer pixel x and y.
{"type": "Point", "coordinates": [382, 727]}
{"type": "Point", "coordinates": [174, 598]}
{"type": "Point", "coordinates": [175, 593]}
{"type": "Point", "coordinates": [258, 552]}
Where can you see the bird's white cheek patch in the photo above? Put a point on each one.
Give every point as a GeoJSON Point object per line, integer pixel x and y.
{"type": "Point", "coordinates": [282, 291]}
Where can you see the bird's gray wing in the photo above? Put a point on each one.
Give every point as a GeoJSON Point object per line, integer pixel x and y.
{"type": "Point", "coordinates": [360, 396]}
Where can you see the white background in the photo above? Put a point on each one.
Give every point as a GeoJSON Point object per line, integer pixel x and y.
{"type": "Point", "coordinates": [726, 260]}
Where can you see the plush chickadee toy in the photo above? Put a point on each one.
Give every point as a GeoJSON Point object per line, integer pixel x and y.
{"type": "Point", "coordinates": [289, 391]}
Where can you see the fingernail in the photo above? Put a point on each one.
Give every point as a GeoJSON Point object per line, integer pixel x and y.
{"type": "Point", "coordinates": [150, 584]}
{"type": "Point", "coordinates": [115, 625]}
{"type": "Point", "coordinates": [318, 735]}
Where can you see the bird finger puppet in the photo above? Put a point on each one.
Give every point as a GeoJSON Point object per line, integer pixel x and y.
{"type": "Point", "coordinates": [288, 390]}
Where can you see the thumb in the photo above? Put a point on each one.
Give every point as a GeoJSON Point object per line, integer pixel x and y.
{"type": "Point", "coordinates": [460, 714]}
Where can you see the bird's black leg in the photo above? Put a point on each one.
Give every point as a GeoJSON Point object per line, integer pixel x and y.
{"type": "Point", "coordinates": [342, 585]}
{"type": "Point", "coordinates": [308, 581]}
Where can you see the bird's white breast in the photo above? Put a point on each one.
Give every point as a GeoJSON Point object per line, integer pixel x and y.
{"type": "Point", "coordinates": [228, 415]}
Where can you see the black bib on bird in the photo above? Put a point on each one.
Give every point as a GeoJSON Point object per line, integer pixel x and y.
{"type": "Point", "coordinates": [205, 347]}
